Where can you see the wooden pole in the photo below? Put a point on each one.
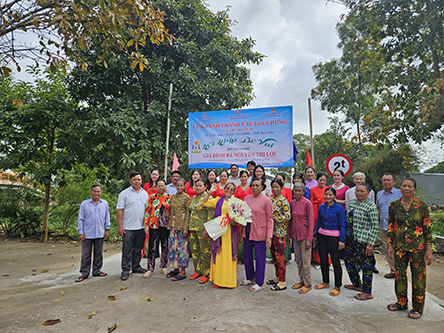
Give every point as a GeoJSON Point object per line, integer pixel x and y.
{"type": "Point", "coordinates": [311, 132]}
{"type": "Point", "coordinates": [168, 133]}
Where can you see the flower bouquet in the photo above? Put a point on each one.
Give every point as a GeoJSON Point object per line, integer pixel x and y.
{"type": "Point", "coordinates": [238, 211]}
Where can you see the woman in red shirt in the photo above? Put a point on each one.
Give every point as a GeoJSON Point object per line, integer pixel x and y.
{"type": "Point", "coordinates": [150, 187]}
{"type": "Point", "coordinates": [286, 192]}
{"type": "Point", "coordinates": [243, 189]}
{"type": "Point", "coordinates": [196, 174]}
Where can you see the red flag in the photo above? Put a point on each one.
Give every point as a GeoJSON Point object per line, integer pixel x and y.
{"type": "Point", "coordinates": [175, 163]}
{"type": "Point", "coordinates": [308, 158]}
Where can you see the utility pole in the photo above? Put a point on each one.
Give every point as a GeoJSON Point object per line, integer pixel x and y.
{"type": "Point", "coordinates": [311, 132]}
{"type": "Point", "coordinates": [168, 133]}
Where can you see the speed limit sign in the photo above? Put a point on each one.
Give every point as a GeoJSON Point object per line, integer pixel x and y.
{"type": "Point", "coordinates": [339, 162]}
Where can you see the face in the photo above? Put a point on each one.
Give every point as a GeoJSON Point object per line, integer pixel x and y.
{"type": "Point", "coordinates": [161, 187]}
{"type": "Point", "coordinates": [321, 181]}
{"type": "Point", "coordinates": [256, 186]}
{"type": "Point", "coordinates": [361, 193]}
{"type": "Point", "coordinates": [309, 174]}
{"type": "Point", "coordinates": [358, 179]}
{"type": "Point", "coordinates": [211, 177]}
{"type": "Point", "coordinates": [223, 177]}
{"type": "Point", "coordinates": [180, 186]}
{"type": "Point", "coordinates": [388, 182]}
{"type": "Point", "coordinates": [250, 168]}
{"type": "Point", "coordinates": [297, 180]}
{"type": "Point", "coordinates": [195, 176]}
{"type": "Point", "coordinates": [174, 178]}
{"type": "Point", "coordinates": [96, 192]}
{"type": "Point", "coordinates": [199, 187]}
{"type": "Point", "coordinates": [244, 178]}
{"type": "Point", "coordinates": [298, 193]}
{"type": "Point", "coordinates": [154, 175]}
{"type": "Point", "coordinates": [276, 189]}
{"type": "Point", "coordinates": [136, 182]}
{"type": "Point", "coordinates": [229, 190]}
{"type": "Point", "coordinates": [234, 171]}
{"type": "Point", "coordinates": [259, 173]}
{"type": "Point", "coordinates": [408, 188]}
{"type": "Point", "coordinates": [337, 177]}
{"type": "Point", "coordinates": [329, 197]}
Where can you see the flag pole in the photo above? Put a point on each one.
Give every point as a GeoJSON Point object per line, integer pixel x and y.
{"type": "Point", "coordinates": [168, 132]}
{"type": "Point", "coordinates": [311, 132]}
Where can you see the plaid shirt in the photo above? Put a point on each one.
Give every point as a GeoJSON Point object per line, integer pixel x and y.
{"type": "Point", "coordinates": [365, 221]}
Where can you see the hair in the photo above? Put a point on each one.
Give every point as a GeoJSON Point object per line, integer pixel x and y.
{"type": "Point", "coordinates": [96, 185]}
{"type": "Point", "coordinates": [181, 180]}
{"type": "Point", "coordinates": [277, 181]}
{"type": "Point", "coordinates": [357, 174]}
{"type": "Point", "coordinates": [254, 173]}
{"type": "Point", "coordinates": [134, 174]}
{"type": "Point", "coordinates": [243, 172]}
{"type": "Point", "coordinates": [321, 174]}
{"type": "Point", "coordinates": [175, 173]}
{"type": "Point", "coordinates": [225, 172]}
{"type": "Point", "coordinates": [160, 180]}
{"type": "Point", "coordinates": [230, 183]}
{"type": "Point", "coordinates": [330, 189]}
{"type": "Point", "coordinates": [309, 167]}
{"type": "Point", "coordinates": [367, 186]}
{"type": "Point", "coordinates": [260, 180]}
{"type": "Point", "coordinates": [282, 175]}
{"type": "Point", "coordinates": [300, 185]}
{"type": "Point", "coordinates": [340, 171]}
{"type": "Point", "coordinates": [253, 163]}
{"type": "Point", "coordinates": [389, 174]}
{"type": "Point", "coordinates": [191, 176]}
{"type": "Point", "coordinates": [151, 183]}
{"type": "Point", "coordinates": [409, 179]}
{"type": "Point", "coordinates": [232, 165]}
{"type": "Point", "coordinates": [300, 175]}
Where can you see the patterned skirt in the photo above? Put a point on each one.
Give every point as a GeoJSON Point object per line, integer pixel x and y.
{"type": "Point", "coordinates": [178, 254]}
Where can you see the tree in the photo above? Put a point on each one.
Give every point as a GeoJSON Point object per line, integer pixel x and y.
{"type": "Point", "coordinates": [439, 168]}
{"type": "Point", "coordinates": [124, 125]}
{"type": "Point", "coordinates": [65, 26]}
{"type": "Point", "coordinates": [34, 122]}
{"type": "Point", "coordinates": [411, 37]}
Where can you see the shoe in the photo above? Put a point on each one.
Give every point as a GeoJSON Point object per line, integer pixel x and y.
{"type": "Point", "coordinates": [271, 282]}
{"type": "Point", "coordinates": [297, 286]}
{"type": "Point", "coordinates": [246, 282]}
{"type": "Point", "coordinates": [148, 274]}
{"type": "Point", "coordinates": [304, 290]}
{"type": "Point", "coordinates": [389, 275]}
{"type": "Point", "coordinates": [256, 287]}
{"type": "Point", "coordinates": [375, 270]}
{"type": "Point", "coordinates": [277, 288]}
{"type": "Point", "coordinates": [321, 286]}
{"type": "Point", "coordinates": [124, 277]}
{"type": "Point", "coordinates": [334, 292]}
{"type": "Point", "coordinates": [171, 274]}
{"type": "Point", "coordinates": [101, 274]}
{"type": "Point", "coordinates": [195, 276]}
{"type": "Point", "coordinates": [140, 271]}
{"type": "Point", "coordinates": [178, 277]}
{"type": "Point", "coordinates": [203, 279]}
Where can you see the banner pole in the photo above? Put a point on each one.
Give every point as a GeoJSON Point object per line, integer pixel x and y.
{"type": "Point", "coordinates": [311, 133]}
{"type": "Point", "coordinates": [168, 133]}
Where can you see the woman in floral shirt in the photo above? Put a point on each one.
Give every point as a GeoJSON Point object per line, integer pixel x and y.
{"type": "Point", "coordinates": [281, 215]}
{"type": "Point", "coordinates": [409, 239]}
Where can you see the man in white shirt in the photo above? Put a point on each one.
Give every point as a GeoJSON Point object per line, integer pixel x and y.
{"type": "Point", "coordinates": [234, 175]}
{"type": "Point", "coordinates": [130, 220]}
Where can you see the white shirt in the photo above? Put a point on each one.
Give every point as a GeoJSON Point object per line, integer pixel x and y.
{"type": "Point", "coordinates": [350, 195]}
{"type": "Point", "coordinates": [133, 205]}
{"type": "Point", "coordinates": [236, 181]}
{"type": "Point", "coordinates": [171, 189]}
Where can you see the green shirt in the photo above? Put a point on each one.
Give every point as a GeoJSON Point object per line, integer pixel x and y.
{"type": "Point", "coordinates": [199, 214]}
{"type": "Point", "coordinates": [365, 221]}
{"type": "Point", "coordinates": [409, 230]}
{"type": "Point", "coordinates": [179, 213]}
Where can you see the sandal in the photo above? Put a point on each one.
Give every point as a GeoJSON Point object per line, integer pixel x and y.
{"type": "Point", "coordinates": [246, 282]}
{"type": "Point", "coordinates": [277, 288]}
{"type": "Point", "coordinates": [139, 271]}
{"type": "Point", "coordinates": [171, 274]}
{"type": "Point", "coordinates": [352, 287]}
{"type": "Point", "coordinates": [394, 307]}
{"type": "Point", "coordinates": [195, 276]}
{"type": "Point", "coordinates": [297, 286]}
{"type": "Point", "coordinates": [364, 296]}
{"type": "Point", "coordinates": [271, 282]}
{"type": "Point", "coordinates": [203, 279]}
{"type": "Point", "coordinates": [81, 278]}
{"type": "Point", "coordinates": [164, 271]}
{"type": "Point", "coordinates": [256, 287]}
{"type": "Point", "coordinates": [334, 292]}
{"type": "Point", "coordinates": [124, 277]}
{"type": "Point", "coordinates": [101, 274]}
{"type": "Point", "coordinates": [304, 290]}
{"type": "Point", "coordinates": [321, 286]}
{"type": "Point", "coordinates": [148, 274]}
{"type": "Point", "coordinates": [179, 277]}
{"type": "Point", "coordinates": [411, 313]}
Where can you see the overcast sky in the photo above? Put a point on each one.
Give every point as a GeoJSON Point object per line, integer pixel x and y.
{"type": "Point", "coordinates": [294, 35]}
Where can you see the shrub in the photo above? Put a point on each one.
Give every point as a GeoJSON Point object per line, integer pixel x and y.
{"type": "Point", "coordinates": [437, 222]}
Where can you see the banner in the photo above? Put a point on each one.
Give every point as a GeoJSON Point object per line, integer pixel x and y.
{"type": "Point", "coordinates": [217, 139]}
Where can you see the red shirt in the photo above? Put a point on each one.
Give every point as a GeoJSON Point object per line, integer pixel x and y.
{"type": "Point", "coordinates": [218, 193]}
{"type": "Point", "coordinates": [148, 189]}
{"type": "Point", "coordinates": [241, 194]}
{"type": "Point", "coordinates": [317, 199]}
{"type": "Point", "coordinates": [189, 190]}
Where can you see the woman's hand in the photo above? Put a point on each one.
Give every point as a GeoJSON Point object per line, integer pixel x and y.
{"type": "Point", "coordinates": [307, 245]}
{"type": "Point", "coordinates": [429, 256]}
{"type": "Point", "coordinates": [369, 250]}
{"type": "Point", "coordinates": [268, 242]}
{"type": "Point", "coordinates": [273, 217]}
{"type": "Point", "coordinates": [147, 230]}
{"type": "Point", "coordinates": [213, 188]}
{"type": "Point", "coordinates": [390, 251]}
{"type": "Point", "coordinates": [233, 222]}
{"type": "Point", "coordinates": [315, 240]}
{"type": "Point", "coordinates": [205, 234]}
{"type": "Point", "coordinates": [341, 246]}
{"type": "Point", "coordinates": [185, 234]}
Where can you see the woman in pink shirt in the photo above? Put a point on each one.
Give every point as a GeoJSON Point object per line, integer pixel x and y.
{"type": "Point", "coordinates": [300, 229]}
{"type": "Point", "coordinates": [257, 234]}
{"type": "Point", "coordinates": [340, 187]}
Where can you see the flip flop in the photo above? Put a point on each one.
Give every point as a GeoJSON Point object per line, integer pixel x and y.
{"type": "Point", "coordinates": [246, 282]}
{"type": "Point", "coordinates": [297, 286]}
{"type": "Point", "coordinates": [361, 297]}
{"type": "Point", "coordinates": [256, 287]}
{"type": "Point", "coordinates": [195, 276]}
{"type": "Point", "coordinates": [304, 290]}
{"type": "Point", "coordinates": [101, 274]}
{"type": "Point", "coordinates": [80, 279]}
{"type": "Point", "coordinates": [203, 279]}
{"type": "Point", "coordinates": [411, 312]}
{"type": "Point", "coordinates": [352, 287]}
{"type": "Point", "coordinates": [124, 277]}
{"type": "Point", "coordinates": [277, 288]}
{"type": "Point", "coordinates": [178, 277]}
{"type": "Point", "coordinates": [393, 307]}
{"type": "Point", "coordinates": [320, 286]}
{"type": "Point", "coordinates": [334, 292]}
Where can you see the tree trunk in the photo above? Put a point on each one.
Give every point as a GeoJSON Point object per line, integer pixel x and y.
{"type": "Point", "coordinates": [46, 214]}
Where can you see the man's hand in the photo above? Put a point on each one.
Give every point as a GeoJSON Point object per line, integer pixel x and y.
{"type": "Point", "coordinates": [121, 231]}
{"type": "Point", "coordinates": [106, 234]}
{"type": "Point", "coordinates": [82, 237]}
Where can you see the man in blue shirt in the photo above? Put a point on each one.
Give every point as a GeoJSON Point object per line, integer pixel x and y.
{"type": "Point", "coordinates": [383, 199]}
{"type": "Point", "coordinates": [171, 188]}
{"type": "Point", "coordinates": [93, 226]}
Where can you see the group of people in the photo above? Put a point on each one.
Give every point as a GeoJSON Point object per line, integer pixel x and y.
{"type": "Point", "coordinates": [324, 224]}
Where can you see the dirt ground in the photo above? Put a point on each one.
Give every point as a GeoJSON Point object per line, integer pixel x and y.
{"type": "Point", "coordinates": [36, 284]}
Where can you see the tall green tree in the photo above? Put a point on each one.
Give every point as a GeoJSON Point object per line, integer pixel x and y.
{"type": "Point", "coordinates": [124, 123]}
{"type": "Point", "coordinates": [34, 122]}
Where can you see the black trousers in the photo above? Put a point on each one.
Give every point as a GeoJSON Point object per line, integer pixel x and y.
{"type": "Point", "coordinates": [87, 248]}
{"type": "Point", "coordinates": [132, 244]}
{"type": "Point", "coordinates": [329, 245]}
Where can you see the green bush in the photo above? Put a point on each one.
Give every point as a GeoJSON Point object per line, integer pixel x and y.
{"type": "Point", "coordinates": [19, 221]}
{"type": "Point", "coordinates": [437, 222]}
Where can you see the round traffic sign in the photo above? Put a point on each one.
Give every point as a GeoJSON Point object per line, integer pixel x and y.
{"type": "Point", "coordinates": [339, 162]}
